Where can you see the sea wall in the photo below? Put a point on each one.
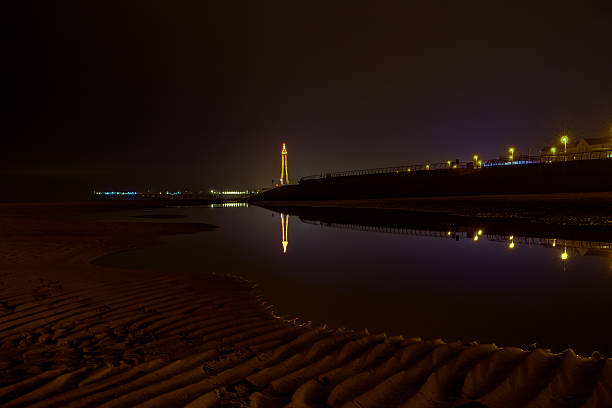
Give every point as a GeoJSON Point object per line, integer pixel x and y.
{"type": "Point", "coordinates": [561, 177]}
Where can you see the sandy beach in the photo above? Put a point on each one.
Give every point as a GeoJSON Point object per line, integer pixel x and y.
{"type": "Point", "coordinates": [75, 334]}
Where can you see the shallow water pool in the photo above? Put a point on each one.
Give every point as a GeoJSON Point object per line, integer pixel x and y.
{"type": "Point", "coordinates": [471, 285]}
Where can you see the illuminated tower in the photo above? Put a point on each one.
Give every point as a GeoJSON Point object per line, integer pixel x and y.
{"type": "Point", "coordinates": [285, 232]}
{"type": "Point", "coordinates": [284, 169]}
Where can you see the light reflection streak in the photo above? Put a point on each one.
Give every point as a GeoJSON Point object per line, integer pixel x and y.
{"type": "Point", "coordinates": [228, 205]}
{"type": "Point", "coordinates": [285, 231]}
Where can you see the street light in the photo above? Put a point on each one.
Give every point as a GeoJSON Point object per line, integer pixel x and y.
{"type": "Point", "coordinates": [553, 150]}
{"type": "Point", "coordinates": [564, 141]}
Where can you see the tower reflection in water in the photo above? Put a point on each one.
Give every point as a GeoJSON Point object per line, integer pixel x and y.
{"type": "Point", "coordinates": [285, 231]}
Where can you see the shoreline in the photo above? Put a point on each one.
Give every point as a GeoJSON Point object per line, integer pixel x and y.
{"type": "Point", "coordinates": [579, 176]}
{"type": "Point", "coordinates": [566, 208]}
{"type": "Point", "coordinates": [559, 216]}
{"type": "Point", "coordinates": [76, 334]}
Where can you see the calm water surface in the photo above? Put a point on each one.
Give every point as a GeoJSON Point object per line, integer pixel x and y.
{"type": "Point", "coordinates": [507, 290]}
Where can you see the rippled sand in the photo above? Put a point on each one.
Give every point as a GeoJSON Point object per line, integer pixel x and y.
{"type": "Point", "coordinates": [73, 334]}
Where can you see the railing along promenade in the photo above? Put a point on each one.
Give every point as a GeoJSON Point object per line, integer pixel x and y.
{"type": "Point", "coordinates": [388, 230]}
{"type": "Point", "coordinates": [517, 239]}
{"type": "Point", "coordinates": [449, 165]}
{"type": "Point", "coordinates": [551, 242]}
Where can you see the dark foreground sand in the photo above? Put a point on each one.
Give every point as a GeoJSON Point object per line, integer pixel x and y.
{"type": "Point", "coordinates": [73, 334]}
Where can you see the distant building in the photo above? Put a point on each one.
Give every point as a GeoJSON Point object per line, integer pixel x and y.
{"type": "Point", "coordinates": [583, 145]}
{"type": "Point", "coordinates": [592, 144]}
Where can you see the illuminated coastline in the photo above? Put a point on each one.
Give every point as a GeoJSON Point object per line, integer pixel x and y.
{"type": "Point", "coordinates": [229, 205]}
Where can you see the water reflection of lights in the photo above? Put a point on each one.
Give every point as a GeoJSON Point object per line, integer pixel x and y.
{"type": "Point", "coordinates": [227, 205]}
{"type": "Point", "coordinates": [580, 247]}
{"type": "Point", "coordinates": [564, 255]}
{"type": "Point", "coordinates": [285, 231]}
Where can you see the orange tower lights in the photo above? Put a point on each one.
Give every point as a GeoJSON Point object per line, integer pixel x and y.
{"type": "Point", "coordinates": [284, 179]}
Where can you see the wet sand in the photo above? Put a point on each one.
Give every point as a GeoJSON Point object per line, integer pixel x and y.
{"type": "Point", "coordinates": [76, 334]}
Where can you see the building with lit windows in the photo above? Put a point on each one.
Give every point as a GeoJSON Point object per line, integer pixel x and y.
{"type": "Point", "coordinates": [582, 145]}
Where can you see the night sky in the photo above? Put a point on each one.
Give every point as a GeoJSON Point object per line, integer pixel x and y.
{"type": "Point", "coordinates": [174, 94]}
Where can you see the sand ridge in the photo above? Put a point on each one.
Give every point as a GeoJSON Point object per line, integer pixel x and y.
{"type": "Point", "coordinates": [75, 334]}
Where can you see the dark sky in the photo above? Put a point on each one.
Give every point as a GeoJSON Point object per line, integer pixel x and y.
{"type": "Point", "coordinates": [131, 94]}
